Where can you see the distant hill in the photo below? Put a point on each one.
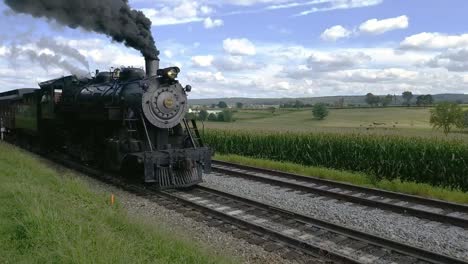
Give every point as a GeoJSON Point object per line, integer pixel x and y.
{"type": "Point", "coordinates": [354, 100]}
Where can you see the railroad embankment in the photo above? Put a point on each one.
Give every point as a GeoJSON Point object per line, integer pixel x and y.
{"type": "Point", "coordinates": [47, 217]}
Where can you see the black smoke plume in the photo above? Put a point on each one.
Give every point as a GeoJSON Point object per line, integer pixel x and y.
{"type": "Point", "coordinates": [114, 18]}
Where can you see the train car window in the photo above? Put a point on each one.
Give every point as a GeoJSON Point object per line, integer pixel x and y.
{"type": "Point", "coordinates": [57, 95]}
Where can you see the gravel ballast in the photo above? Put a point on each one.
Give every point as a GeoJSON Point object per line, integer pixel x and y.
{"type": "Point", "coordinates": [210, 238]}
{"type": "Point", "coordinates": [434, 236]}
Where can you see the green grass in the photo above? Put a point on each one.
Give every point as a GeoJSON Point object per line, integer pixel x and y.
{"type": "Point", "coordinates": [50, 218]}
{"type": "Point", "coordinates": [360, 179]}
{"type": "Point", "coordinates": [413, 121]}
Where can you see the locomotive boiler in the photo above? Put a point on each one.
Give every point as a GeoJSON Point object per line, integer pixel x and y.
{"type": "Point", "coordinates": [124, 120]}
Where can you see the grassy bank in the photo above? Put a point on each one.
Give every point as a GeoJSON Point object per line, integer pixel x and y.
{"type": "Point", "coordinates": [361, 179]}
{"type": "Point", "coordinates": [48, 218]}
{"type": "Point", "coordinates": [431, 161]}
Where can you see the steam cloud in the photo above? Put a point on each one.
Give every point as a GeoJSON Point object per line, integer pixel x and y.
{"type": "Point", "coordinates": [44, 60]}
{"type": "Point", "coordinates": [114, 18]}
{"type": "Point", "coordinates": [48, 43]}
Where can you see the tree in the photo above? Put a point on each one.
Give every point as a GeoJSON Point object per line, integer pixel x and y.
{"type": "Point", "coordinates": [320, 111]}
{"type": "Point", "coordinates": [447, 115]}
{"type": "Point", "coordinates": [424, 100]}
{"type": "Point", "coordinates": [420, 100]}
{"type": "Point", "coordinates": [369, 98]}
{"type": "Point", "coordinates": [213, 106]}
{"type": "Point", "coordinates": [190, 116]}
{"type": "Point", "coordinates": [298, 104]}
{"type": "Point", "coordinates": [339, 103]}
{"type": "Point", "coordinates": [227, 115]}
{"type": "Point", "coordinates": [372, 99]}
{"type": "Point", "coordinates": [220, 117]}
{"type": "Point", "coordinates": [272, 109]}
{"type": "Point", "coordinates": [407, 96]}
{"type": "Point", "coordinates": [212, 117]}
{"type": "Point", "coordinates": [222, 104]}
{"type": "Point", "coordinates": [429, 99]}
{"type": "Point", "coordinates": [203, 115]}
{"type": "Point", "coordinates": [387, 100]}
{"type": "Point", "coordinates": [239, 105]}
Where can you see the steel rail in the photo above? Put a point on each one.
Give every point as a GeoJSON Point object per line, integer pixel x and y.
{"type": "Point", "coordinates": [392, 201]}
{"type": "Point", "coordinates": [393, 246]}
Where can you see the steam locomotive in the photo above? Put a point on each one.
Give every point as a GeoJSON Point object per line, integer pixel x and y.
{"type": "Point", "coordinates": [124, 120]}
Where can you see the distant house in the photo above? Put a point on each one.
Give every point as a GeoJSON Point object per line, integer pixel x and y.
{"type": "Point", "coordinates": [196, 111]}
{"type": "Point", "coordinates": [214, 111]}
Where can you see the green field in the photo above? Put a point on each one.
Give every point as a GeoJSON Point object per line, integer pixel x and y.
{"type": "Point", "coordinates": [396, 144]}
{"type": "Point", "coordinates": [46, 217]}
{"type": "Point", "coordinates": [413, 121]}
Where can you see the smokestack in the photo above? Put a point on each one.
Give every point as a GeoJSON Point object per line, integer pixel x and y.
{"type": "Point", "coordinates": [152, 66]}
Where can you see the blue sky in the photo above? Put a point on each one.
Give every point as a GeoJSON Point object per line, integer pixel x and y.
{"type": "Point", "coordinates": [264, 48]}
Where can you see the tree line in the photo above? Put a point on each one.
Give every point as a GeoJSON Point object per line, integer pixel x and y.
{"type": "Point", "coordinates": [421, 100]}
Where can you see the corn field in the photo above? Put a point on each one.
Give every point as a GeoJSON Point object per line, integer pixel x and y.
{"type": "Point", "coordinates": [439, 163]}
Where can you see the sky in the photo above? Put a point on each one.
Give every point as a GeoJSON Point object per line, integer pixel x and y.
{"type": "Point", "coordinates": [262, 48]}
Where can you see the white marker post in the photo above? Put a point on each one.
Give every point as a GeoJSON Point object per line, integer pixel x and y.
{"type": "Point", "coordinates": [2, 129]}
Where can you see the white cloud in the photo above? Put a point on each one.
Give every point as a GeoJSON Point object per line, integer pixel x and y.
{"type": "Point", "coordinates": [276, 70]}
{"type": "Point", "coordinates": [452, 60]}
{"type": "Point", "coordinates": [334, 33]}
{"type": "Point", "coordinates": [184, 12]}
{"type": "Point", "coordinates": [210, 23]}
{"type": "Point", "coordinates": [375, 26]}
{"type": "Point", "coordinates": [202, 61]}
{"type": "Point", "coordinates": [3, 50]}
{"type": "Point", "coordinates": [374, 75]}
{"type": "Point", "coordinates": [427, 40]}
{"type": "Point", "coordinates": [234, 63]}
{"type": "Point", "coordinates": [206, 10]}
{"type": "Point", "coordinates": [336, 4]}
{"type": "Point", "coordinates": [336, 61]}
{"type": "Point", "coordinates": [205, 76]}
{"type": "Point", "coordinates": [168, 53]}
{"type": "Point", "coordinates": [371, 26]}
{"type": "Point", "coordinates": [240, 47]}
{"type": "Point", "coordinates": [283, 85]}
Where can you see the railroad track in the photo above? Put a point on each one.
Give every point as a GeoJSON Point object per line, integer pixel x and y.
{"type": "Point", "coordinates": [299, 237]}
{"type": "Point", "coordinates": [430, 209]}
{"type": "Point", "coordinates": [310, 235]}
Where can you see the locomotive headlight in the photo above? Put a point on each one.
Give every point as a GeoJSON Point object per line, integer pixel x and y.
{"type": "Point", "coordinates": [172, 73]}
{"type": "Point", "coordinates": [169, 73]}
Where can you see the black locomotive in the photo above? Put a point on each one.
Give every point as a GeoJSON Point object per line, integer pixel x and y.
{"type": "Point", "coordinates": [125, 120]}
